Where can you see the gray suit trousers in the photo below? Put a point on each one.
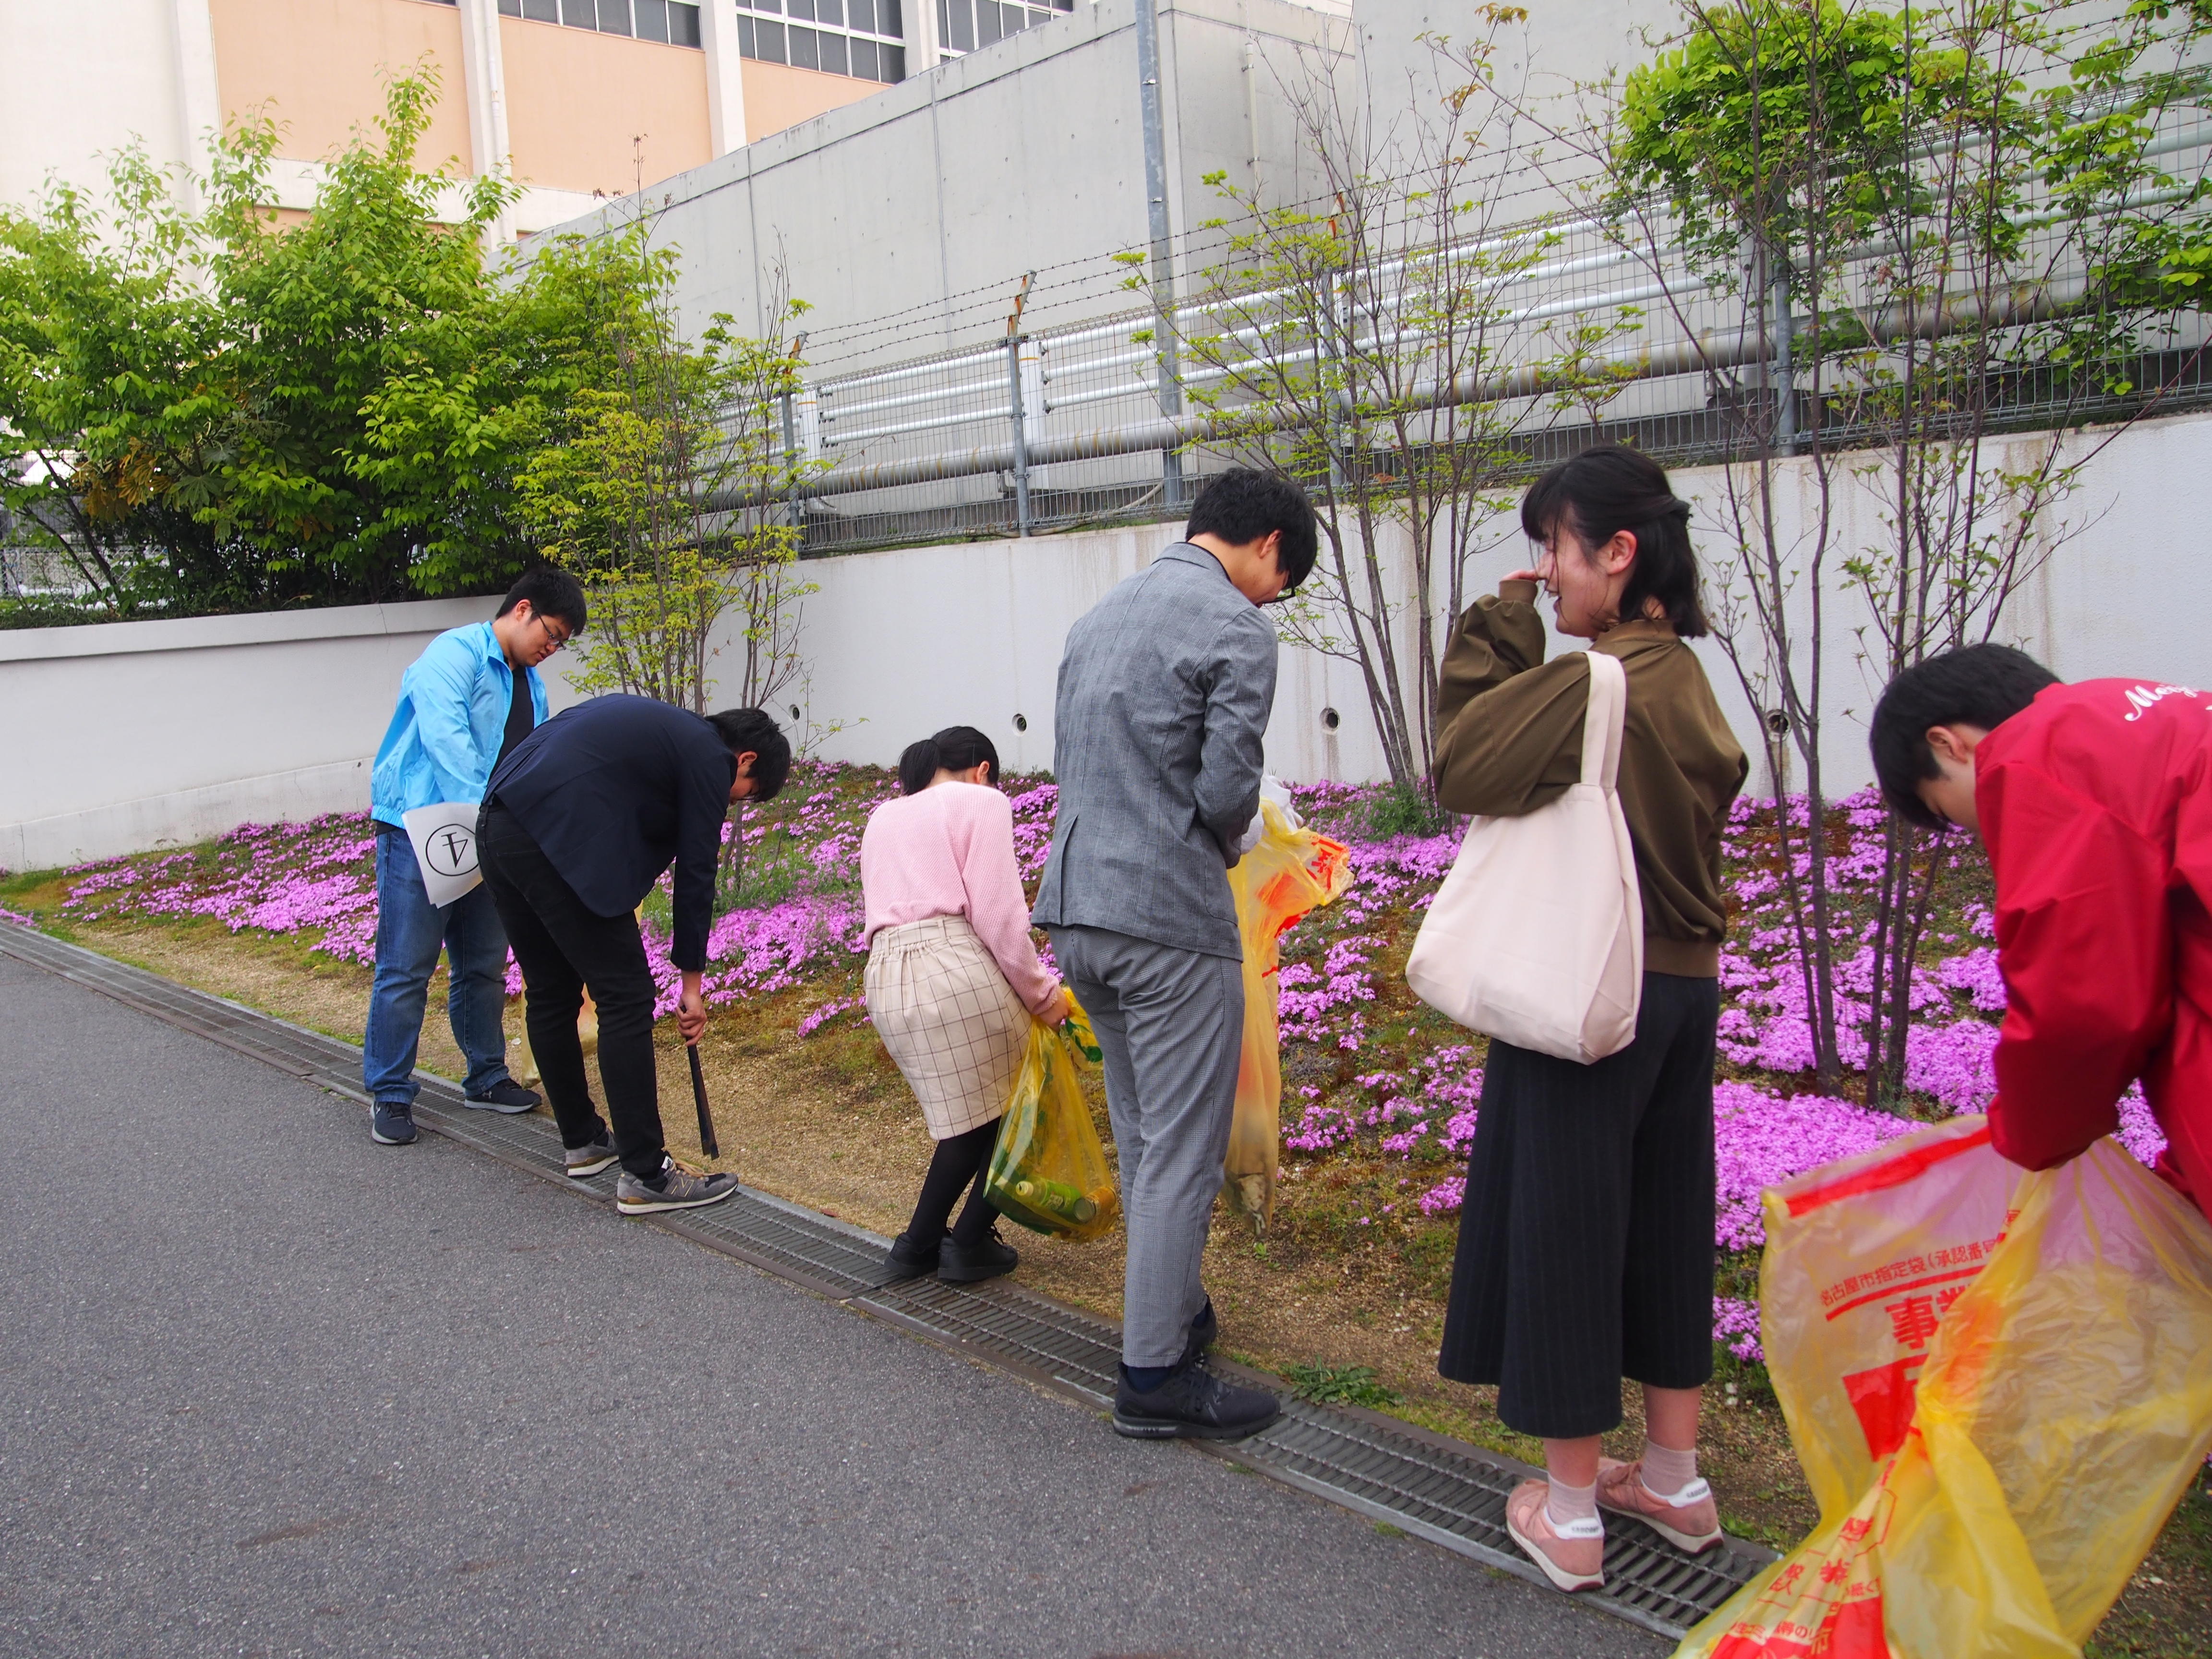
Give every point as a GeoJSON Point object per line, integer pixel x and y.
{"type": "Point", "coordinates": [1171, 1024]}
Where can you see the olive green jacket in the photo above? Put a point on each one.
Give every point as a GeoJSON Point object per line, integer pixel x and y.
{"type": "Point", "coordinates": [1509, 740]}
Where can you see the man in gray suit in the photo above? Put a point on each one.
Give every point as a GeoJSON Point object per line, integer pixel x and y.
{"type": "Point", "coordinates": [1164, 693]}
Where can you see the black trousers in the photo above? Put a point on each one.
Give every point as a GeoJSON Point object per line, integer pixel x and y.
{"type": "Point", "coordinates": [562, 947]}
{"type": "Point", "coordinates": [1586, 1241]}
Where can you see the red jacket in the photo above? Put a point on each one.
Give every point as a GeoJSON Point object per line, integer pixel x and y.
{"type": "Point", "coordinates": [2096, 806]}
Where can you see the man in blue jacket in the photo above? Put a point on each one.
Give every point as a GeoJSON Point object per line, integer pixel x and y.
{"type": "Point", "coordinates": [463, 704]}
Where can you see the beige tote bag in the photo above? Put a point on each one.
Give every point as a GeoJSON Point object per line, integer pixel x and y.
{"type": "Point", "coordinates": [1536, 936]}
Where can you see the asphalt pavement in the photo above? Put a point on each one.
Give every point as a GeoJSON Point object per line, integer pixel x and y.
{"type": "Point", "coordinates": [267, 1388]}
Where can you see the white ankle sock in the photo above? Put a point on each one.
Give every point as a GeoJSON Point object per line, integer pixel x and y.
{"type": "Point", "coordinates": [1572, 1510]}
{"type": "Point", "coordinates": [1672, 1475]}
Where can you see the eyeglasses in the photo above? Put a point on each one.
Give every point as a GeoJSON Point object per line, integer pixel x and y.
{"type": "Point", "coordinates": [557, 641]}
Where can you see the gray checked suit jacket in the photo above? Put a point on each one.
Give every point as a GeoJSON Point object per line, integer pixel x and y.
{"type": "Point", "coordinates": [1166, 688]}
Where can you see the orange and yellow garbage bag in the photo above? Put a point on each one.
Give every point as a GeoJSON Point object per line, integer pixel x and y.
{"type": "Point", "coordinates": [2063, 1406]}
{"type": "Point", "coordinates": [1293, 870]}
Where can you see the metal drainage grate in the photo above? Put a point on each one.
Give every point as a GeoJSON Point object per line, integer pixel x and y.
{"type": "Point", "coordinates": [1018, 1327]}
{"type": "Point", "coordinates": [1455, 1497]}
{"type": "Point", "coordinates": [1449, 1493]}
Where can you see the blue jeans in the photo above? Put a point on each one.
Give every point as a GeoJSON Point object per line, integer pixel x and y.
{"type": "Point", "coordinates": [408, 931]}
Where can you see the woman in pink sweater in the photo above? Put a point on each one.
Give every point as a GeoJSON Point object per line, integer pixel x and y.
{"type": "Point", "coordinates": [953, 979]}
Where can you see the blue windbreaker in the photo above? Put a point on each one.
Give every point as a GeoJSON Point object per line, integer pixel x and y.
{"type": "Point", "coordinates": [446, 731]}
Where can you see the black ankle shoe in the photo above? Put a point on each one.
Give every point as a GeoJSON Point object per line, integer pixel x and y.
{"type": "Point", "coordinates": [909, 1260]}
{"type": "Point", "coordinates": [1193, 1404]}
{"type": "Point", "coordinates": [1203, 1331]}
{"type": "Point", "coordinates": [969, 1264]}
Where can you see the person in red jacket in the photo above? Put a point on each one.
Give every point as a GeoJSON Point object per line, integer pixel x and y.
{"type": "Point", "coordinates": [2095, 803]}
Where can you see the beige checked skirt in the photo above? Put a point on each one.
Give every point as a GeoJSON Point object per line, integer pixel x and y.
{"type": "Point", "coordinates": [950, 1019]}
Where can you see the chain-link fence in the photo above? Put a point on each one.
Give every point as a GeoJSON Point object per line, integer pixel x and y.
{"type": "Point", "coordinates": [1078, 405]}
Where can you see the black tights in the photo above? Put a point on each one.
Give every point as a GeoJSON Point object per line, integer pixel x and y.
{"type": "Point", "coordinates": [963, 1158]}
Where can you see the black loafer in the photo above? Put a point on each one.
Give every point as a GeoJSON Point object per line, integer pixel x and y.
{"type": "Point", "coordinates": [908, 1260]}
{"type": "Point", "coordinates": [1193, 1404]}
{"type": "Point", "coordinates": [969, 1264]}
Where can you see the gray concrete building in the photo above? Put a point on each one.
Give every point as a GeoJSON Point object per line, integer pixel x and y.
{"type": "Point", "coordinates": [922, 206]}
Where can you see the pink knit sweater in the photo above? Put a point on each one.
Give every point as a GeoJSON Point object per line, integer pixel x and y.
{"type": "Point", "coordinates": [949, 851]}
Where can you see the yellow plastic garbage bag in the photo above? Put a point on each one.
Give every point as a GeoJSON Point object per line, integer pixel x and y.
{"type": "Point", "coordinates": [2064, 1406]}
{"type": "Point", "coordinates": [1290, 871]}
{"type": "Point", "coordinates": [1864, 1258]}
{"type": "Point", "coordinates": [1048, 1169]}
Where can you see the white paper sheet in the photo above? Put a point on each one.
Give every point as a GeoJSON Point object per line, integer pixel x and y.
{"type": "Point", "coordinates": [445, 838]}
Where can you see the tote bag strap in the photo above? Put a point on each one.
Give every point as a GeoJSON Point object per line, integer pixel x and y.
{"type": "Point", "coordinates": [1603, 720]}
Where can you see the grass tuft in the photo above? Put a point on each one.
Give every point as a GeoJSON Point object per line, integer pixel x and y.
{"type": "Point", "coordinates": [1341, 1385]}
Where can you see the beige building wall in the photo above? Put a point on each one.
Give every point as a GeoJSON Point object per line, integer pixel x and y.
{"type": "Point", "coordinates": [576, 100]}
{"type": "Point", "coordinates": [576, 114]}
{"type": "Point", "coordinates": [778, 96]}
{"type": "Point", "coordinates": [592, 114]}
{"type": "Point", "coordinates": [318, 68]}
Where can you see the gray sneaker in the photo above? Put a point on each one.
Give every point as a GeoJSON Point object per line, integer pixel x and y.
{"type": "Point", "coordinates": [679, 1189]}
{"type": "Point", "coordinates": [584, 1162]}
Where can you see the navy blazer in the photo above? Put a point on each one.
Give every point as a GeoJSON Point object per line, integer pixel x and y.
{"type": "Point", "coordinates": [613, 790]}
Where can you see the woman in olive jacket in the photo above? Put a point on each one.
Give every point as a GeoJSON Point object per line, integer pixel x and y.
{"type": "Point", "coordinates": [1586, 1241]}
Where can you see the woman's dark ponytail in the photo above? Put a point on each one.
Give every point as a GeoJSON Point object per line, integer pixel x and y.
{"type": "Point", "coordinates": [955, 749]}
{"type": "Point", "coordinates": [1605, 489]}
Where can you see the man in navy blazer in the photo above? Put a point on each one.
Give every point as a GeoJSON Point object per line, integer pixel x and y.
{"type": "Point", "coordinates": [579, 822]}
{"type": "Point", "coordinates": [1165, 688]}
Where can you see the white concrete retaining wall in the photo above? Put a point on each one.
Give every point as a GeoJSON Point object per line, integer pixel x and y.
{"type": "Point", "coordinates": [118, 738]}
{"type": "Point", "coordinates": [134, 735]}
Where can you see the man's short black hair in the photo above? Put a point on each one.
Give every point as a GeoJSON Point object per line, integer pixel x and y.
{"type": "Point", "coordinates": [1983, 685]}
{"type": "Point", "coordinates": [551, 592]}
{"type": "Point", "coordinates": [1240, 506]}
{"type": "Point", "coordinates": [750, 731]}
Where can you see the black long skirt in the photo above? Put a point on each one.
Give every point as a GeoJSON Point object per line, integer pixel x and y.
{"type": "Point", "coordinates": [1586, 1241]}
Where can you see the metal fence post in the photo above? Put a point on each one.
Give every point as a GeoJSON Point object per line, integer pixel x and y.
{"type": "Point", "coordinates": [1162, 253]}
{"type": "Point", "coordinates": [1021, 435]}
{"type": "Point", "coordinates": [1786, 367]}
{"type": "Point", "coordinates": [791, 464]}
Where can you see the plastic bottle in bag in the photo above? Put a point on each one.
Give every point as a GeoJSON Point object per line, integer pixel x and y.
{"type": "Point", "coordinates": [1048, 1170]}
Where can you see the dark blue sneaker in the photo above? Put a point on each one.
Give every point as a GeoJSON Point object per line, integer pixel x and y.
{"type": "Point", "coordinates": [1193, 1404]}
{"type": "Point", "coordinates": [504, 1095]}
{"type": "Point", "coordinates": [391, 1123]}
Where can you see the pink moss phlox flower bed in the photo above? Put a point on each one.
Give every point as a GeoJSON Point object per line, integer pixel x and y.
{"type": "Point", "coordinates": [317, 879]}
{"type": "Point", "coordinates": [1359, 1080]}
